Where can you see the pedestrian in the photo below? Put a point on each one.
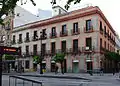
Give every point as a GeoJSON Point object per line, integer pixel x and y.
{"type": "Point", "coordinates": [15, 68]}
{"type": "Point", "coordinates": [101, 71]}
{"type": "Point", "coordinates": [56, 69]}
{"type": "Point", "coordinates": [113, 71]}
{"type": "Point", "coordinates": [119, 73]}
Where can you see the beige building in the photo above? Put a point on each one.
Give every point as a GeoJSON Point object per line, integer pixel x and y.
{"type": "Point", "coordinates": [83, 35]}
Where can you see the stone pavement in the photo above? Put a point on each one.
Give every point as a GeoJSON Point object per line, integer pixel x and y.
{"type": "Point", "coordinates": [55, 79]}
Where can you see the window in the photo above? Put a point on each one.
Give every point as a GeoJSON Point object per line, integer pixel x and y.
{"type": "Point", "coordinates": [105, 30]}
{"type": "Point", "coordinates": [75, 45]}
{"type": "Point", "coordinates": [101, 26]}
{"type": "Point", "coordinates": [88, 25]}
{"type": "Point", "coordinates": [43, 48]}
{"type": "Point", "coordinates": [75, 27]}
{"type": "Point", "coordinates": [89, 43]}
{"type": "Point", "coordinates": [53, 31]}
{"type": "Point", "coordinates": [53, 48]}
{"type": "Point", "coordinates": [27, 36]}
{"type": "Point", "coordinates": [27, 63]}
{"type": "Point", "coordinates": [105, 44]}
{"type": "Point", "coordinates": [27, 49]}
{"type": "Point", "coordinates": [100, 43]}
{"type": "Point", "coordinates": [8, 37]}
{"type": "Point", "coordinates": [20, 48]}
{"type": "Point", "coordinates": [63, 47]}
{"type": "Point", "coordinates": [44, 31]}
{"type": "Point", "coordinates": [59, 11]}
{"type": "Point", "coordinates": [35, 49]}
{"type": "Point", "coordinates": [13, 38]}
{"type": "Point", "coordinates": [20, 37]}
{"type": "Point", "coordinates": [64, 29]}
{"type": "Point", "coordinates": [35, 35]}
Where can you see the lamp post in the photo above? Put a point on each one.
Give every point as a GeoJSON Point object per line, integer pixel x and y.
{"type": "Point", "coordinates": [42, 36]}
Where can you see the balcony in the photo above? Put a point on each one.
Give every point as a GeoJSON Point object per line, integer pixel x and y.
{"type": "Point", "coordinates": [53, 35]}
{"type": "Point", "coordinates": [88, 49]}
{"type": "Point", "coordinates": [13, 42]}
{"type": "Point", "coordinates": [103, 50]}
{"type": "Point", "coordinates": [35, 38]}
{"type": "Point", "coordinates": [26, 54]}
{"type": "Point", "coordinates": [19, 41]}
{"type": "Point", "coordinates": [73, 32]}
{"type": "Point", "coordinates": [27, 40]}
{"type": "Point", "coordinates": [105, 34]}
{"type": "Point", "coordinates": [101, 31]}
{"type": "Point", "coordinates": [62, 34]}
{"type": "Point", "coordinates": [89, 30]}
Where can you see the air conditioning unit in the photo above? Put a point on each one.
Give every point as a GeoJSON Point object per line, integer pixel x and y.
{"type": "Point", "coordinates": [86, 48]}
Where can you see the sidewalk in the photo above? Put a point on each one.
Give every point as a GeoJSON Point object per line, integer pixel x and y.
{"type": "Point", "coordinates": [84, 76]}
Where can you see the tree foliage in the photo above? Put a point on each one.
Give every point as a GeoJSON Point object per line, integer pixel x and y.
{"type": "Point", "coordinates": [9, 5]}
{"type": "Point", "coordinates": [36, 59]}
{"type": "Point", "coordinates": [69, 3]}
{"type": "Point", "coordinates": [59, 57]}
{"type": "Point", "coordinates": [8, 57]}
{"type": "Point", "coordinates": [112, 56]}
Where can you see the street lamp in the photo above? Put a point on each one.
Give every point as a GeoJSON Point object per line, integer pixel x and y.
{"type": "Point", "coordinates": [42, 36]}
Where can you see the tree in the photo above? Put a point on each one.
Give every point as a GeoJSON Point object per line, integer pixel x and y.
{"type": "Point", "coordinates": [113, 56]}
{"type": "Point", "coordinates": [59, 57]}
{"type": "Point", "coordinates": [9, 5]}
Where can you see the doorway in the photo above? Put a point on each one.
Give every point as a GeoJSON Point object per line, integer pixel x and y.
{"type": "Point", "coordinates": [75, 67]}
{"type": "Point", "coordinates": [89, 66]}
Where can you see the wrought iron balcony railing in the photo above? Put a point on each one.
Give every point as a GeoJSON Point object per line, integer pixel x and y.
{"type": "Point", "coordinates": [73, 32]}
{"type": "Point", "coordinates": [63, 33]}
{"type": "Point", "coordinates": [88, 30]}
{"type": "Point", "coordinates": [53, 35]}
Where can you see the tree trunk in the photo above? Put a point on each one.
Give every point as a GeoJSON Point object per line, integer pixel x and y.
{"type": "Point", "coordinates": [62, 71]}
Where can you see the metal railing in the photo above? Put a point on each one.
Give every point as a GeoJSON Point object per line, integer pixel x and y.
{"type": "Point", "coordinates": [24, 80]}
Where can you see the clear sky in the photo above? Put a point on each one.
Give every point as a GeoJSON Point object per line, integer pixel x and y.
{"type": "Point", "coordinates": [110, 8]}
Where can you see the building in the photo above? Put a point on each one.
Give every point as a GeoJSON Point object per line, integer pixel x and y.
{"type": "Point", "coordinates": [23, 16]}
{"type": "Point", "coordinates": [83, 35]}
{"type": "Point", "coordinates": [6, 30]}
{"type": "Point", "coordinates": [117, 41]}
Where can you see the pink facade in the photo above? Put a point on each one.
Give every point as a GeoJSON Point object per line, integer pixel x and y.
{"type": "Point", "coordinates": [82, 34]}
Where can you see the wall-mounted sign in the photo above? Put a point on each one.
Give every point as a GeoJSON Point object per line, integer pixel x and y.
{"type": "Point", "coordinates": [10, 50]}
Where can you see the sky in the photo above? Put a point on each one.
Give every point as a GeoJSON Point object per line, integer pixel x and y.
{"type": "Point", "coordinates": [110, 8]}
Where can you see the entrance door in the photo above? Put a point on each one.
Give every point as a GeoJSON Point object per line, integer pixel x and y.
{"type": "Point", "coordinates": [89, 66]}
{"type": "Point", "coordinates": [65, 66]}
{"type": "Point", "coordinates": [75, 67]}
{"type": "Point", "coordinates": [52, 67]}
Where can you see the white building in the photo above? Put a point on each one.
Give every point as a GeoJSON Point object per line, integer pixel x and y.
{"type": "Point", "coordinates": [23, 16]}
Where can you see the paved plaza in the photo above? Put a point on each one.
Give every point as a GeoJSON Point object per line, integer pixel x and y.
{"type": "Point", "coordinates": [95, 80]}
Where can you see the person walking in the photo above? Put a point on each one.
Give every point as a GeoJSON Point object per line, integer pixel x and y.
{"type": "Point", "coordinates": [101, 71]}
{"type": "Point", "coordinates": [56, 69]}
{"type": "Point", "coordinates": [113, 71]}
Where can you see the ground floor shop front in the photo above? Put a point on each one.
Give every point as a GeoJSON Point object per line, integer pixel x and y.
{"type": "Point", "coordinates": [72, 63]}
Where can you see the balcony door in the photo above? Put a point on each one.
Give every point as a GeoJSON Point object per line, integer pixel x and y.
{"type": "Point", "coordinates": [75, 45]}
{"type": "Point", "coordinates": [89, 43]}
{"type": "Point", "coordinates": [75, 27]}
{"type": "Point", "coordinates": [53, 48]}
{"type": "Point", "coordinates": [63, 46]}
{"type": "Point", "coordinates": [64, 29]}
{"type": "Point", "coordinates": [53, 31]}
{"type": "Point", "coordinates": [35, 49]}
{"type": "Point", "coordinates": [27, 50]}
{"type": "Point", "coordinates": [88, 25]}
{"type": "Point", "coordinates": [43, 49]}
